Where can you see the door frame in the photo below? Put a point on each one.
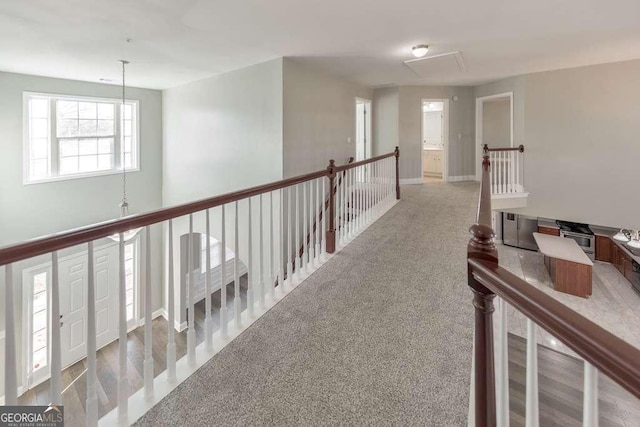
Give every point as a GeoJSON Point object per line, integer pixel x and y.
{"type": "Point", "coordinates": [369, 143]}
{"type": "Point", "coordinates": [445, 136]}
{"type": "Point", "coordinates": [479, 141]}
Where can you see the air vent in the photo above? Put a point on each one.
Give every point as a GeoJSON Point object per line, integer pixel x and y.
{"type": "Point", "coordinates": [444, 63]}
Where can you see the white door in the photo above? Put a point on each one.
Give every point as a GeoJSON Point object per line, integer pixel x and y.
{"type": "Point", "coordinates": [73, 302]}
{"type": "Point", "coordinates": [363, 132]}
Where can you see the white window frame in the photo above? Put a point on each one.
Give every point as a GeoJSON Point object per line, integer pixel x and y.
{"type": "Point", "coordinates": [53, 146]}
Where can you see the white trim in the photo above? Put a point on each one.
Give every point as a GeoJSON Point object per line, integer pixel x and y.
{"type": "Point", "coordinates": [445, 136]}
{"type": "Point", "coordinates": [460, 178]}
{"type": "Point", "coordinates": [410, 181]}
{"type": "Point", "coordinates": [368, 149]}
{"type": "Point", "coordinates": [479, 141]}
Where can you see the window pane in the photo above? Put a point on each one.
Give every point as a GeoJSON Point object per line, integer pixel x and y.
{"type": "Point", "coordinates": [40, 339]}
{"type": "Point", "coordinates": [88, 146]}
{"type": "Point", "coordinates": [127, 144]}
{"type": "Point", "coordinates": [128, 252]}
{"type": "Point", "coordinates": [39, 301]}
{"type": "Point", "coordinates": [128, 266]}
{"type": "Point", "coordinates": [129, 296]}
{"type": "Point", "coordinates": [130, 312]}
{"type": "Point", "coordinates": [68, 147]}
{"type": "Point", "coordinates": [105, 127]}
{"type": "Point", "coordinates": [87, 110]}
{"type": "Point", "coordinates": [127, 110]}
{"type": "Point", "coordinates": [68, 165]}
{"type": "Point", "coordinates": [40, 282]}
{"type": "Point", "coordinates": [67, 109]}
{"type": "Point", "coordinates": [39, 108]}
{"type": "Point", "coordinates": [39, 128]}
{"type": "Point", "coordinates": [88, 163]}
{"type": "Point", "coordinates": [40, 359]}
{"type": "Point", "coordinates": [67, 127]}
{"type": "Point", "coordinates": [127, 161]}
{"type": "Point", "coordinates": [39, 320]}
{"type": "Point", "coordinates": [88, 127]}
{"type": "Point", "coordinates": [105, 111]}
{"type": "Point", "coordinates": [105, 162]}
{"type": "Point", "coordinates": [39, 168]}
{"type": "Point", "coordinates": [127, 127]}
{"type": "Point", "coordinates": [40, 148]}
{"type": "Point", "coordinates": [105, 145]}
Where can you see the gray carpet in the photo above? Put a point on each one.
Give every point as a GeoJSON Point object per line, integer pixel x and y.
{"type": "Point", "coordinates": [380, 335]}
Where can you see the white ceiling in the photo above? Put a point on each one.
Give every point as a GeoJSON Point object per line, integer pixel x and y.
{"type": "Point", "coordinates": [177, 41]}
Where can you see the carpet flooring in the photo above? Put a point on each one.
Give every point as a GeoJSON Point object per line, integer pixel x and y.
{"type": "Point", "coordinates": [379, 335]}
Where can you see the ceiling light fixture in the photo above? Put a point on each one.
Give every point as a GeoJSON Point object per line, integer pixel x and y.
{"type": "Point", "coordinates": [420, 50]}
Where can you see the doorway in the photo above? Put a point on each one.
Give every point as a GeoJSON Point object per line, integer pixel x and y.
{"type": "Point", "coordinates": [435, 140]}
{"type": "Point", "coordinates": [363, 129]}
{"type": "Point", "coordinates": [494, 124]}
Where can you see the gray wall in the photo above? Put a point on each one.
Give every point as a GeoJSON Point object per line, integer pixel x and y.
{"type": "Point", "coordinates": [496, 123]}
{"type": "Point", "coordinates": [581, 141]}
{"type": "Point", "coordinates": [318, 118]}
{"type": "Point", "coordinates": [385, 123]}
{"type": "Point", "coordinates": [222, 134]}
{"type": "Point", "coordinates": [461, 129]}
{"type": "Point", "coordinates": [28, 211]}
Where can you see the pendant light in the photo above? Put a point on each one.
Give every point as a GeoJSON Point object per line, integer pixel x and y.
{"type": "Point", "coordinates": [124, 204]}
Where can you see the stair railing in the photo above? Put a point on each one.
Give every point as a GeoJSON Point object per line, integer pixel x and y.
{"type": "Point", "coordinates": [602, 351]}
{"type": "Point", "coordinates": [507, 169]}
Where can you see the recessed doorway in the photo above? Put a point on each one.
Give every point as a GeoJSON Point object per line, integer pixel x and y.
{"type": "Point", "coordinates": [435, 140]}
{"type": "Point", "coordinates": [494, 124]}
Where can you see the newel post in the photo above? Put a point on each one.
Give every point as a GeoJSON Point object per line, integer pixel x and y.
{"type": "Point", "coordinates": [331, 232]}
{"type": "Point", "coordinates": [397, 151]}
{"type": "Point", "coordinates": [482, 246]}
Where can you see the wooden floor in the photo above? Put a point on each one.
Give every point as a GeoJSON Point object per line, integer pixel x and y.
{"type": "Point", "coordinates": [560, 382]}
{"type": "Point", "coordinates": [74, 377]}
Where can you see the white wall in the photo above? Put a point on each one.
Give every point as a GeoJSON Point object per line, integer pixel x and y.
{"type": "Point", "coordinates": [222, 134]}
{"type": "Point", "coordinates": [28, 211]}
{"type": "Point", "coordinates": [496, 122]}
{"type": "Point", "coordinates": [319, 115]}
{"type": "Point", "coordinates": [580, 128]}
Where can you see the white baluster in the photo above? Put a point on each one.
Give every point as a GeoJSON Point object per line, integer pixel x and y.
{"type": "Point", "coordinates": [237, 307]}
{"type": "Point", "coordinates": [532, 412]}
{"type": "Point", "coordinates": [123, 380]}
{"type": "Point", "coordinates": [191, 333]}
{"type": "Point", "coordinates": [223, 275]}
{"type": "Point", "coordinates": [171, 339]}
{"type": "Point", "coordinates": [296, 246]}
{"type": "Point", "coordinates": [360, 197]}
{"type": "Point", "coordinates": [512, 168]}
{"type": "Point", "coordinates": [262, 278]}
{"type": "Point", "coordinates": [272, 250]}
{"type": "Point", "coordinates": [10, 378]}
{"type": "Point", "coordinates": [281, 238]}
{"type": "Point", "coordinates": [56, 356]}
{"type": "Point", "coordinates": [311, 217]}
{"type": "Point", "coordinates": [92, 395]}
{"type": "Point", "coordinates": [290, 255]}
{"type": "Point", "coordinates": [250, 278]}
{"type": "Point", "coordinates": [590, 404]}
{"type": "Point", "coordinates": [148, 322]}
{"type": "Point", "coordinates": [305, 249]}
{"type": "Point", "coordinates": [318, 201]}
{"type": "Point", "coordinates": [518, 172]}
{"type": "Point", "coordinates": [208, 321]}
{"type": "Point", "coordinates": [323, 229]}
{"type": "Point", "coordinates": [502, 368]}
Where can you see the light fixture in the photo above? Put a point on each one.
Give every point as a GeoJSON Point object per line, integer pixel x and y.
{"type": "Point", "coordinates": [420, 50]}
{"type": "Point", "coordinates": [124, 205]}
{"type": "Point", "coordinates": [622, 235]}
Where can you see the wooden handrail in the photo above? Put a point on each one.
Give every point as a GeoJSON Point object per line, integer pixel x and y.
{"type": "Point", "coordinates": [46, 244]}
{"type": "Point", "coordinates": [519, 148]}
{"type": "Point", "coordinates": [364, 162]}
{"type": "Point", "coordinates": [614, 357]}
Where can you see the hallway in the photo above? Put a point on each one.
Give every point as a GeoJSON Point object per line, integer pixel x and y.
{"type": "Point", "coordinates": [382, 333]}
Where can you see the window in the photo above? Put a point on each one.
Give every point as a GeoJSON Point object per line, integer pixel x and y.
{"type": "Point", "coordinates": [70, 137]}
{"type": "Point", "coordinates": [39, 331]}
{"type": "Point", "coordinates": [130, 265]}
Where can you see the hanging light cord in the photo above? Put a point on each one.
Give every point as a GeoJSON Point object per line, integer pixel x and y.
{"type": "Point", "coordinates": [124, 205]}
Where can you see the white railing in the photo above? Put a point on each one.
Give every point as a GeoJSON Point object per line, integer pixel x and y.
{"type": "Point", "coordinates": [507, 170]}
{"type": "Point", "coordinates": [264, 226]}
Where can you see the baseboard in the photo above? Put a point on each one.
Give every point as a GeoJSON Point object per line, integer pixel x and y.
{"type": "Point", "coordinates": [460, 178]}
{"type": "Point", "coordinates": [410, 181]}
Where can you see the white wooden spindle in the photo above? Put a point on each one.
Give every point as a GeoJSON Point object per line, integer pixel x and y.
{"type": "Point", "coordinates": [250, 277]}
{"type": "Point", "coordinates": [290, 245]}
{"type": "Point", "coordinates": [10, 377]}
{"type": "Point", "coordinates": [504, 171]}
{"type": "Point", "coordinates": [56, 356]}
{"type": "Point", "coordinates": [171, 338]}
{"type": "Point", "coordinates": [236, 271]}
{"type": "Point", "coordinates": [323, 232]}
{"type": "Point", "coordinates": [281, 239]}
{"type": "Point", "coordinates": [532, 416]}
{"type": "Point", "coordinates": [92, 380]}
{"type": "Point", "coordinates": [350, 173]}
{"type": "Point", "coordinates": [148, 321]}
{"type": "Point", "coordinates": [512, 169]}
{"type": "Point", "coordinates": [123, 380]}
{"type": "Point", "coordinates": [272, 248]}
{"type": "Point", "coordinates": [590, 403]}
{"type": "Point", "coordinates": [360, 196]}
{"type": "Point", "coordinates": [191, 332]}
{"type": "Point", "coordinates": [502, 368]}
{"type": "Point", "coordinates": [208, 320]}
{"type": "Point", "coordinates": [518, 172]}
{"type": "Point", "coordinates": [319, 201]}
{"type": "Point", "coordinates": [305, 249]}
{"type": "Point", "coordinates": [312, 208]}
{"type": "Point", "coordinates": [223, 274]}
{"type": "Point", "coordinates": [261, 258]}
{"type": "Point", "coordinates": [296, 245]}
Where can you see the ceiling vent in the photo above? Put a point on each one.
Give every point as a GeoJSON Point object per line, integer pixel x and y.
{"type": "Point", "coordinates": [442, 64]}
